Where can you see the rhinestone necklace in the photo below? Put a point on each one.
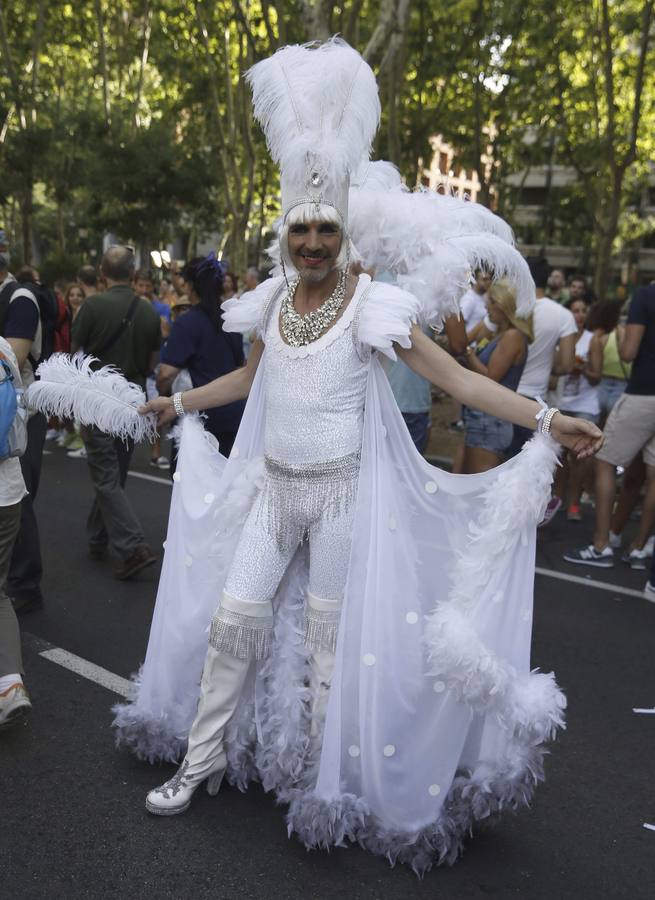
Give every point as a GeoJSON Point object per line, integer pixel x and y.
{"type": "Point", "coordinates": [300, 330]}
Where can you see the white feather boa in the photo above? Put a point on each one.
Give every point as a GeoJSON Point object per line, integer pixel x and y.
{"type": "Point", "coordinates": [529, 706]}
{"type": "Point", "coordinates": [69, 388]}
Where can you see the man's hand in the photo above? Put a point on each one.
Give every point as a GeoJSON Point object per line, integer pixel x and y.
{"type": "Point", "coordinates": [162, 407]}
{"type": "Point", "coordinates": [580, 436]}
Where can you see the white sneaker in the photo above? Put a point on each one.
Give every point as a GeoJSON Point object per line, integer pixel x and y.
{"type": "Point", "coordinates": [77, 454]}
{"type": "Point", "coordinates": [51, 434]}
{"type": "Point", "coordinates": [649, 592]}
{"type": "Point", "coordinates": [649, 546]}
{"type": "Point", "coordinates": [14, 705]}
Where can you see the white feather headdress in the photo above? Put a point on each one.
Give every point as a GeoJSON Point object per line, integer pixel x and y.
{"type": "Point", "coordinates": [319, 108]}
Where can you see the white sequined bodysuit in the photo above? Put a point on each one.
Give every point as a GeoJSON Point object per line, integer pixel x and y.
{"type": "Point", "coordinates": [315, 393]}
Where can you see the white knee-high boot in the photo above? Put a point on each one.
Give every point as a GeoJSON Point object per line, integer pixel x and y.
{"type": "Point", "coordinates": [223, 679]}
{"type": "Point", "coordinates": [240, 633]}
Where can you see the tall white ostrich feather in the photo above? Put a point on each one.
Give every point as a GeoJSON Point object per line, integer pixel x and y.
{"type": "Point", "coordinates": [319, 108]}
{"type": "Point", "coordinates": [69, 388]}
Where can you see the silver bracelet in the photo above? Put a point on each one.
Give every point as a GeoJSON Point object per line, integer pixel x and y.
{"type": "Point", "coordinates": [177, 404]}
{"type": "Point", "coordinates": [546, 419]}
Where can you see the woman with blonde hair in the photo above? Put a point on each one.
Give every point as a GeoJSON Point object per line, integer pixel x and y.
{"type": "Point", "coordinates": [502, 359]}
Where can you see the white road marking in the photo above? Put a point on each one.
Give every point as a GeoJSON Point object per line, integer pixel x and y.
{"type": "Point", "coordinates": [146, 477]}
{"type": "Point", "coordinates": [589, 582]}
{"type": "Point", "coordinates": [649, 827]}
{"type": "Point", "coordinates": [644, 712]}
{"type": "Point", "coordinates": [88, 670]}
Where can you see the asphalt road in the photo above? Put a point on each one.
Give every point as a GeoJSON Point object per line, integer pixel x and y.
{"type": "Point", "coordinates": [72, 817]}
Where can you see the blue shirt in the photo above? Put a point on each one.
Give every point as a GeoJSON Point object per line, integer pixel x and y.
{"type": "Point", "coordinates": [162, 309]}
{"type": "Point", "coordinates": [642, 312]}
{"type": "Point", "coordinates": [195, 345]}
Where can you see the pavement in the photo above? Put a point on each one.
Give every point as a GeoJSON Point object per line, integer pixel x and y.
{"type": "Point", "coordinates": [72, 817]}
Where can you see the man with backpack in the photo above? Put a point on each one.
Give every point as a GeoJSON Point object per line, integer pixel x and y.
{"type": "Point", "coordinates": [14, 700]}
{"type": "Point", "coordinates": [27, 321]}
{"type": "Point", "coordinates": [123, 330]}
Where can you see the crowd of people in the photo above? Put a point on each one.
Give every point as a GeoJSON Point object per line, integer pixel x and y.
{"type": "Point", "coordinates": [162, 335]}
{"type": "Point", "coordinates": [165, 334]}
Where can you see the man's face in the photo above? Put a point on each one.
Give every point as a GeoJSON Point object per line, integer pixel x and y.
{"type": "Point", "coordinates": [143, 287]}
{"type": "Point", "coordinates": [251, 281]}
{"type": "Point", "coordinates": [577, 288]}
{"type": "Point", "coordinates": [556, 280]}
{"type": "Point", "coordinates": [482, 282]}
{"type": "Point", "coordinates": [313, 248]}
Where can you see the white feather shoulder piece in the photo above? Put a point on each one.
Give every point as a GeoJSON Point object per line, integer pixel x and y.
{"type": "Point", "coordinates": [69, 388]}
{"type": "Point", "coordinates": [387, 317]}
{"type": "Point", "coordinates": [246, 313]}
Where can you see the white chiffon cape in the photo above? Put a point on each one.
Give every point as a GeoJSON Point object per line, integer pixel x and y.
{"type": "Point", "coordinates": [435, 722]}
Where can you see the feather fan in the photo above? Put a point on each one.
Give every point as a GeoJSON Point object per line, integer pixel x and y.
{"type": "Point", "coordinates": [69, 389]}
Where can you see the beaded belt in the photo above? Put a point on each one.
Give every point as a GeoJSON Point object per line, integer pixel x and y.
{"type": "Point", "coordinates": [331, 469]}
{"type": "Point", "coordinates": [297, 497]}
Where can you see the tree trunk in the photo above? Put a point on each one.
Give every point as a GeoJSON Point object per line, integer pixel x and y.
{"type": "Point", "coordinates": [605, 234]}
{"type": "Point", "coordinates": [103, 60]}
{"type": "Point", "coordinates": [147, 29]}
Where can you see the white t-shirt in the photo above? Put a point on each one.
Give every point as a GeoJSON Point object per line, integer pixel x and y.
{"type": "Point", "coordinates": [576, 394]}
{"type": "Point", "coordinates": [473, 307]}
{"type": "Point", "coordinates": [12, 486]}
{"type": "Point", "coordinates": [551, 323]}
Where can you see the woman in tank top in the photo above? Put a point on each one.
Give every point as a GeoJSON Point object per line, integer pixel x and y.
{"type": "Point", "coordinates": [604, 360]}
{"type": "Point", "coordinates": [485, 437]}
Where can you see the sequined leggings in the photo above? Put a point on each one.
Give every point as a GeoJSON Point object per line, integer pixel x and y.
{"type": "Point", "coordinates": [243, 623]}
{"type": "Point", "coordinates": [260, 563]}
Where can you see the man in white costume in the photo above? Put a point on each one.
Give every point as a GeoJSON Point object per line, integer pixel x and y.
{"type": "Point", "coordinates": [359, 664]}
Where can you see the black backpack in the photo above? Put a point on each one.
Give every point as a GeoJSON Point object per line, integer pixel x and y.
{"type": "Point", "coordinates": [47, 302]}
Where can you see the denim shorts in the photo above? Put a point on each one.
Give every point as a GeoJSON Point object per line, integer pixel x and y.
{"type": "Point", "coordinates": [609, 391]}
{"type": "Point", "coordinates": [485, 431]}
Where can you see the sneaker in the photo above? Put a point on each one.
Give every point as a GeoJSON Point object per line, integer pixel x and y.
{"type": "Point", "coordinates": [14, 705]}
{"type": "Point", "coordinates": [553, 507]}
{"type": "Point", "coordinates": [51, 434]}
{"type": "Point", "coordinates": [77, 454]}
{"type": "Point", "coordinates": [159, 462]}
{"type": "Point", "coordinates": [586, 499]}
{"type": "Point", "coordinates": [76, 444]}
{"type": "Point", "coordinates": [142, 557]}
{"type": "Point", "coordinates": [636, 559]}
{"type": "Point", "coordinates": [589, 556]}
{"type": "Point", "coordinates": [649, 592]}
{"type": "Point", "coordinates": [615, 540]}
{"type": "Point", "coordinates": [649, 546]}
{"type": "Point", "coordinates": [574, 514]}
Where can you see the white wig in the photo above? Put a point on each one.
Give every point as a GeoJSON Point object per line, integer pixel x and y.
{"type": "Point", "coordinates": [303, 214]}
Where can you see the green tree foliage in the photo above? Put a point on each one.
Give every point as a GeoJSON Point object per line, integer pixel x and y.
{"type": "Point", "coordinates": [132, 117]}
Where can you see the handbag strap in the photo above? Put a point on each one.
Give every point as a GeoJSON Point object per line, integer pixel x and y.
{"type": "Point", "coordinates": [125, 321]}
